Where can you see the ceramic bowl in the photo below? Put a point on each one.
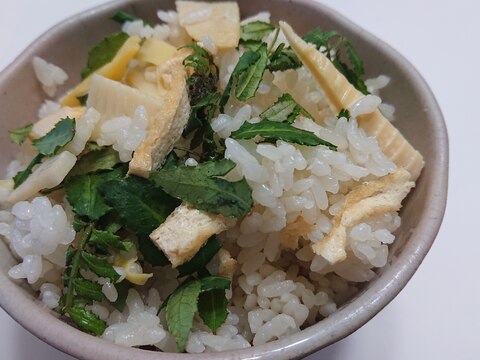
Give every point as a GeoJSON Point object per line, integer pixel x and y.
{"type": "Point", "coordinates": [418, 117]}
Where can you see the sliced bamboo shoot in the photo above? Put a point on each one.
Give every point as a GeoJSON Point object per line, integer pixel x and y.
{"type": "Point", "coordinates": [114, 70]}
{"type": "Point", "coordinates": [46, 176]}
{"type": "Point", "coordinates": [112, 99]}
{"type": "Point", "coordinates": [342, 95]}
{"type": "Point", "coordinates": [220, 21]}
{"type": "Point", "coordinates": [43, 126]}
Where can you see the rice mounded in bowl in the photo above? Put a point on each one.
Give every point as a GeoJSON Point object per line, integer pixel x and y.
{"type": "Point", "coordinates": [204, 191]}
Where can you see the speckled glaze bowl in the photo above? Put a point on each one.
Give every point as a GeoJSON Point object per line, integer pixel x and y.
{"type": "Point", "coordinates": [419, 119]}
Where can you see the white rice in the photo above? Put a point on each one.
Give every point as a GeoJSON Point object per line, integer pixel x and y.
{"type": "Point", "coordinates": [280, 286]}
{"type": "Point", "coordinates": [35, 231]}
{"type": "Point", "coordinates": [125, 134]}
{"type": "Point", "coordinates": [49, 75]}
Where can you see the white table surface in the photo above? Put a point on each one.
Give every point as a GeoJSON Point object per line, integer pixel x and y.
{"type": "Point", "coordinates": [436, 316]}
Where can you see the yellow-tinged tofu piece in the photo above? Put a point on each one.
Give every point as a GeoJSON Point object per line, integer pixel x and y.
{"type": "Point", "coordinates": [218, 20]}
{"type": "Point", "coordinates": [227, 265]}
{"type": "Point", "coordinates": [43, 126]}
{"type": "Point", "coordinates": [112, 99]}
{"type": "Point", "coordinates": [342, 95]}
{"type": "Point", "coordinates": [185, 231]}
{"type": "Point", "coordinates": [155, 51]}
{"type": "Point", "coordinates": [114, 70]}
{"type": "Point", "coordinates": [366, 200]}
{"type": "Point", "coordinates": [167, 127]}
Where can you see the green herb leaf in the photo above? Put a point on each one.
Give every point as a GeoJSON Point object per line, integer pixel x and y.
{"type": "Point", "coordinates": [200, 187]}
{"type": "Point", "coordinates": [343, 113]}
{"type": "Point", "coordinates": [87, 321]}
{"type": "Point", "coordinates": [201, 258]}
{"type": "Point", "coordinates": [122, 290]}
{"type": "Point", "coordinates": [180, 310]}
{"type": "Point", "coordinates": [249, 80]}
{"type": "Point", "coordinates": [106, 240]}
{"type": "Point", "coordinates": [272, 131]}
{"type": "Point", "coordinates": [84, 196]}
{"type": "Point", "coordinates": [110, 222]}
{"type": "Point", "coordinates": [248, 59]}
{"type": "Point", "coordinates": [212, 308]}
{"type": "Point", "coordinates": [255, 30]}
{"type": "Point", "coordinates": [332, 40]}
{"type": "Point", "coordinates": [283, 58]}
{"type": "Point", "coordinates": [104, 52]}
{"type": "Point", "coordinates": [24, 174]}
{"type": "Point", "coordinates": [88, 289]}
{"type": "Point", "coordinates": [99, 266]}
{"type": "Point", "coordinates": [285, 109]}
{"type": "Point", "coordinates": [18, 136]}
{"type": "Point", "coordinates": [151, 254]}
{"type": "Point", "coordinates": [321, 38]}
{"type": "Point", "coordinates": [93, 161]}
{"type": "Point", "coordinates": [141, 206]}
{"type": "Point", "coordinates": [58, 137]}
{"type": "Point", "coordinates": [214, 282]}
{"type": "Point", "coordinates": [122, 17]}
{"type": "Point", "coordinates": [83, 99]}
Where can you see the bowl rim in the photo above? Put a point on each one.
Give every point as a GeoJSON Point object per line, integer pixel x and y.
{"type": "Point", "coordinates": [342, 323]}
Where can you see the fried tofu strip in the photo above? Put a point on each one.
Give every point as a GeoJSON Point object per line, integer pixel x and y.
{"type": "Point", "coordinates": [167, 127]}
{"type": "Point", "coordinates": [368, 199]}
{"type": "Point", "coordinates": [185, 231]}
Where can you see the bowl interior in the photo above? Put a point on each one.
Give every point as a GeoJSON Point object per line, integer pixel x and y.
{"type": "Point", "coordinates": [418, 118]}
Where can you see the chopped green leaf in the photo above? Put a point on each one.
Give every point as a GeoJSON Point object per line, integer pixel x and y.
{"type": "Point", "coordinates": [18, 136]}
{"type": "Point", "coordinates": [151, 254]}
{"type": "Point", "coordinates": [24, 174]}
{"type": "Point", "coordinates": [212, 308]}
{"type": "Point", "coordinates": [99, 266]}
{"type": "Point", "coordinates": [272, 131]}
{"type": "Point", "coordinates": [84, 196]}
{"type": "Point", "coordinates": [105, 240]}
{"type": "Point", "coordinates": [200, 187]}
{"type": "Point", "coordinates": [122, 290]}
{"type": "Point", "coordinates": [321, 38]}
{"type": "Point", "coordinates": [93, 161]}
{"type": "Point", "coordinates": [201, 258]}
{"type": "Point", "coordinates": [110, 222]}
{"type": "Point", "coordinates": [332, 42]}
{"type": "Point", "coordinates": [122, 17]}
{"type": "Point", "coordinates": [200, 61]}
{"type": "Point", "coordinates": [88, 289]}
{"type": "Point", "coordinates": [180, 310]}
{"type": "Point", "coordinates": [104, 52]}
{"type": "Point", "coordinates": [285, 109]}
{"type": "Point", "coordinates": [249, 80]}
{"type": "Point", "coordinates": [141, 206]}
{"type": "Point", "coordinates": [58, 137]}
{"type": "Point", "coordinates": [283, 58]}
{"type": "Point", "coordinates": [87, 321]}
{"type": "Point", "coordinates": [343, 113]}
{"type": "Point", "coordinates": [83, 99]}
{"type": "Point", "coordinates": [255, 30]}
{"type": "Point", "coordinates": [214, 282]}
{"type": "Point", "coordinates": [248, 59]}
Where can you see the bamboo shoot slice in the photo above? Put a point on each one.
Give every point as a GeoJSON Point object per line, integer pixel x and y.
{"type": "Point", "coordinates": [342, 95]}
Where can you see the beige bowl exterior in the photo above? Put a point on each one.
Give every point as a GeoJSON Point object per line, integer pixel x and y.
{"type": "Point", "coordinates": [419, 119]}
